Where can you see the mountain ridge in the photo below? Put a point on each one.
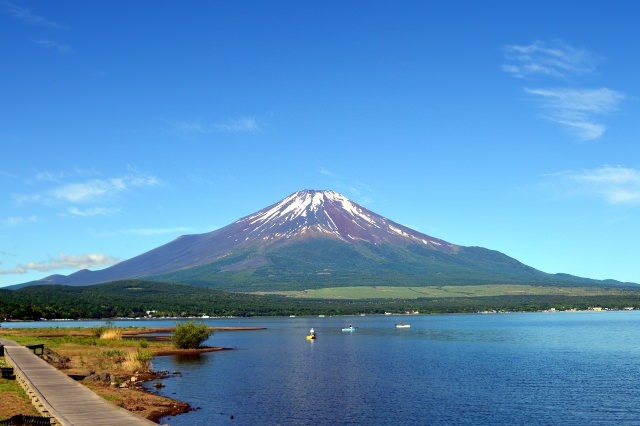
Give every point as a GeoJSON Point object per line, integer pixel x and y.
{"type": "Point", "coordinates": [317, 238]}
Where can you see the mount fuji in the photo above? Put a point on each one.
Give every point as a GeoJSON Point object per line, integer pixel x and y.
{"type": "Point", "coordinates": [316, 239]}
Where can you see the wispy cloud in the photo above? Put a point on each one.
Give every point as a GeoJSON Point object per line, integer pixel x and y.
{"type": "Point", "coordinates": [53, 45]}
{"type": "Point", "coordinates": [578, 108]}
{"type": "Point", "coordinates": [94, 211]}
{"type": "Point", "coordinates": [186, 127]}
{"type": "Point", "coordinates": [26, 15]}
{"type": "Point", "coordinates": [97, 189]}
{"type": "Point", "coordinates": [61, 175]}
{"type": "Point", "coordinates": [552, 59]}
{"type": "Point", "coordinates": [90, 191]}
{"type": "Point", "coordinates": [83, 261]}
{"type": "Point", "coordinates": [14, 221]}
{"type": "Point", "coordinates": [29, 17]}
{"type": "Point", "coordinates": [614, 184]}
{"type": "Point", "coordinates": [240, 125]}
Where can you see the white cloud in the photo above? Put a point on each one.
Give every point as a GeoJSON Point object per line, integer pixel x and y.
{"type": "Point", "coordinates": [550, 59]}
{"type": "Point", "coordinates": [53, 45]}
{"type": "Point", "coordinates": [185, 127]}
{"type": "Point", "coordinates": [615, 184]}
{"type": "Point", "coordinates": [83, 261]}
{"type": "Point", "coordinates": [97, 189]}
{"type": "Point", "coordinates": [18, 220]}
{"type": "Point", "coordinates": [59, 176]}
{"type": "Point", "coordinates": [240, 125]}
{"type": "Point", "coordinates": [47, 176]}
{"type": "Point", "coordinates": [26, 15]}
{"type": "Point", "coordinates": [574, 108]}
{"type": "Point", "coordinates": [95, 211]}
{"type": "Point", "coordinates": [578, 108]}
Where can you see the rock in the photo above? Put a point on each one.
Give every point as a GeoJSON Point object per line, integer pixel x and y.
{"type": "Point", "coordinates": [53, 358]}
{"type": "Point", "coordinates": [102, 377]}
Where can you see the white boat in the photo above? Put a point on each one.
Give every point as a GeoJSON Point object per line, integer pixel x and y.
{"type": "Point", "coordinates": [350, 328]}
{"type": "Point", "coordinates": [401, 325]}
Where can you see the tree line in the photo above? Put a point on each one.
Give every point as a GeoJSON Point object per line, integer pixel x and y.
{"type": "Point", "coordinates": [136, 298]}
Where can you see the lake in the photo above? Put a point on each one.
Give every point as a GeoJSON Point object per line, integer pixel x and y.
{"type": "Point", "coordinates": [537, 368]}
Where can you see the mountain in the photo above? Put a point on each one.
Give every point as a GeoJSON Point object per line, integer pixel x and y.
{"type": "Point", "coordinates": [315, 239]}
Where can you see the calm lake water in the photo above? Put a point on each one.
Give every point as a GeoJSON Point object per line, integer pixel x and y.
{"type": "Point", "coordinates": [542, 368]}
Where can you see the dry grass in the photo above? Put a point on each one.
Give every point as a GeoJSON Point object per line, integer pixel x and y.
{"type": "Point", "coordinates": [111, 334]}
{"type": "Point", "coordinates": [138, 361]}
{"type": "Point", "coordinates": [435, 292]}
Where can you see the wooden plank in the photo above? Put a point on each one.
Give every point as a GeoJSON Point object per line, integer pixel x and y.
{"type": "Point", "coordinates": [69, 402]}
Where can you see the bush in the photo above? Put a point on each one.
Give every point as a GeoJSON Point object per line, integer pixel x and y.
{"type": "Point", "coordinates": [190, 335]}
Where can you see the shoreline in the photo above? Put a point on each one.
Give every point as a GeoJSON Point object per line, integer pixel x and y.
{"type": "Point", "coordinates": [99, 367]}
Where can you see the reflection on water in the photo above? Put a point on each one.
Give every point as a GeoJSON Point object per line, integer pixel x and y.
{"type": "Point", "coordinates": [191, 359]}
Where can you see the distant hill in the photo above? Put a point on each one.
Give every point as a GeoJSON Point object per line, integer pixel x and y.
{"type": "Point", "coordinates": [315, 239]}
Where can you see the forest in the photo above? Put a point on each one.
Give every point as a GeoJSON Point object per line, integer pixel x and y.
{"type": "Point", "coordinates": [137, 298]}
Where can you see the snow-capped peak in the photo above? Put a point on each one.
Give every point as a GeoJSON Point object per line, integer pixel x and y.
{"type": "Point", "coordinates": [329, 213]}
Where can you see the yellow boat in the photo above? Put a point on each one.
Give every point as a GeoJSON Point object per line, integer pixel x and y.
{"type": "Point", "coordinates": [311, 337]}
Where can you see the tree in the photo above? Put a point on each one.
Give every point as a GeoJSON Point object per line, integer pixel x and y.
{"type": "Point", "coordinates": [190, 335]}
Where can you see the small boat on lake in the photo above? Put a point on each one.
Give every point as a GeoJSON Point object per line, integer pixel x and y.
{"type": "Point", "coordinates": [402, 325]}
{"type": "Point", "coordinates": [350, 328]}
{"type": "Point", "coordinates": [312, 334]}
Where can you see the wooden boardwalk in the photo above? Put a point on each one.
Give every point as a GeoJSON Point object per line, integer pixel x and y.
{"type": "Point", "coordinates": [58, 396]}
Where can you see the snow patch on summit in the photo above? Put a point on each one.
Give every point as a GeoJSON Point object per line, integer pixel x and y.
{"type": "Point", "coordinates": [327, 212]}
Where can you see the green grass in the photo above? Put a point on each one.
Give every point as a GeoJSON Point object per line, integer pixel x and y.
{"type": "Point", "coordinates": [112, 398]}
{"type": "Point", "coordinates": [9, 387]}
{"type": "Point", "coordinates": [437, 292]}
{"type": "Point", "coordinates": [12, 386]}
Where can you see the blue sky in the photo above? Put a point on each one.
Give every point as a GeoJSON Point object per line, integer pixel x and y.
{"type": "Point", "coordinates": [507, 125]}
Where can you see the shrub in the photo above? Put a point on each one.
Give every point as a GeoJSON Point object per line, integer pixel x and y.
{"type": "Point", "coordinates": [190, 335]}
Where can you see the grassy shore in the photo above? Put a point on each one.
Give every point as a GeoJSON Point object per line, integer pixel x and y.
{"type": "Point", "coordinates": [442, 292]}
{"type": "Point", "coordinates": [113, 362]}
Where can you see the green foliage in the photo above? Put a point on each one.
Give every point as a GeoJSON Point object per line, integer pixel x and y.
{"type": "Point", "coordinates": [113, 353]}
{"type": "Point", "coordinates": [97, 331]}
{"type": "Point", "coordinates": [132, 298]}
{"type": "Point", "coordinates": [143, 355]}
{"type": "Point", "coordinates": [190, 335]}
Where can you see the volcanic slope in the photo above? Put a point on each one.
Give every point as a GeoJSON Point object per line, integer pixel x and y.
{"type": "Point", "coordinates": [316, 239]}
